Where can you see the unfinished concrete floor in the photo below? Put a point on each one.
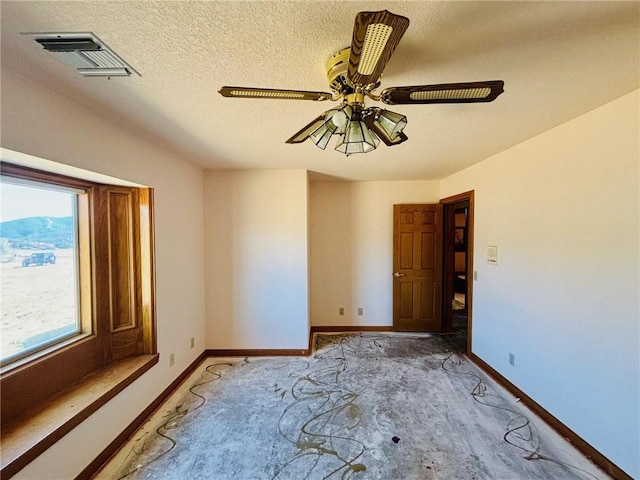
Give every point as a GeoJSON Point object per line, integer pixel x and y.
{"type": "Point", "coordinates": [363, 406]}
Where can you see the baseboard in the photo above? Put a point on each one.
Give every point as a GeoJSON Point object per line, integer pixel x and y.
{"type": "Point", "coordinates": [590, 452]}
{"type": "Point", "coordinates": [351, 328]}
{"type": "Point", "coordinates": [292, 352]}
{"type": "Point", "coordinates": [115, 445]}
{"type": "Point", "coordinates": [262, 352]}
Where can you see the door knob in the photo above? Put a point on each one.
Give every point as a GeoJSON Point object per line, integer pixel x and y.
{"type": "Point", "coordinates": [398, 274]}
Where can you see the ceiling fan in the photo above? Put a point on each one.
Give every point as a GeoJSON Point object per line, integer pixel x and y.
{"type": "Point", "coordinates": [354, 73]}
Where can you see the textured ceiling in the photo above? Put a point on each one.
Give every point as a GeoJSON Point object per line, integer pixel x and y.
{"type": "Point", "coordinates": [557, 59]}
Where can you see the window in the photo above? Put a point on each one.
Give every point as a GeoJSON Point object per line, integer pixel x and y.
{"type": "Point", "coordinates": [77, 281]}
{"type": "Point", "coordinates": [39, 266]}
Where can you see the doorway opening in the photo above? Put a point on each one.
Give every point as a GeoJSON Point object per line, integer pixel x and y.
{"type": "Point", "coordinates": [457, 212]}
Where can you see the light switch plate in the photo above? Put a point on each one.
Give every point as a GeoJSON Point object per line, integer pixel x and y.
{"type": "Point", "coordinates": [492, 254]}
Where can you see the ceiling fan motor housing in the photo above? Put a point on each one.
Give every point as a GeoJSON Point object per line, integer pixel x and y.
{"type": "Point", "coordinates": [337, 67]}
{"type": "Point", "coordinates": [337, 70]}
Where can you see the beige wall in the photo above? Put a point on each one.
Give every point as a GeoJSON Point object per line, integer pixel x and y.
{"type": "Point", "coordinates": [40, 122]}
{"type": "Point", "coordinates": [256, 258]}
{"type": "Point", "coordinates": [352, 248]}
{"type": "Point", "coordinates": [563, 209]}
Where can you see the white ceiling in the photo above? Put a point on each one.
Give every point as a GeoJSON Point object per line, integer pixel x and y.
{"type": "Point", "coordinates": [557, 59]}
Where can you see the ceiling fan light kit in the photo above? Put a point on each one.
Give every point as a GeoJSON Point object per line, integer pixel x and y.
{"type": "Point", "coordinates": [360, 130]}
{"type": "Point", "coordinates": [353, 74]}
{"type": "Point", "coordinates": [357, 138]}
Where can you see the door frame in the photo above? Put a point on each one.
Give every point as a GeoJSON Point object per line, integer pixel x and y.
{"type": "Point", "coordinates": [448, 267]}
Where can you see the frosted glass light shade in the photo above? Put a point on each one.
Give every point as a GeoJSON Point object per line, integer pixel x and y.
{"type": "Point", "coordinates": [322, 135]}
{"type": "Point", "coordinates": [339, 118]}
{"type": "Point", "coordinates": [392, 123]}
{"type": "Point", "coordinates": [336, 121]}
{"type": "Point", "coordinates": [357, 138]}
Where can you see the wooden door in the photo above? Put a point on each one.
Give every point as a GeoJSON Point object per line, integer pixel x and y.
{"type": "Point", "coordinates": [417, 268]}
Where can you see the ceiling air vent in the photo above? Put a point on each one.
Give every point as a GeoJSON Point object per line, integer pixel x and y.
{"type": "Point", "coordinates": [86, 53]}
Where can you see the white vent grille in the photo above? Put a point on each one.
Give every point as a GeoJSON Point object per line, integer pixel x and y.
{"type": "Point", "coordinates": [76, 60]}
{"type": "Point", "coordinates": [85, 52]}
{"type": "Point", "coordinates": [104, 58]}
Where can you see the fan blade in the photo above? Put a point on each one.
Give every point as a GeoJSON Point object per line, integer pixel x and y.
{"type": "Point", "coordinates": [375, 36]}
{"type": "Point", "coordinates": [246, 92]}
{"type": "Point", "coordinates": [303, 134]}
{"type": "Point", "coordinates": [470, 92]}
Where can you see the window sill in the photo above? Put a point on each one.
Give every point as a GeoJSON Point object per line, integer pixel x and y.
{"type": "Point", "coordinates": [39, 428]}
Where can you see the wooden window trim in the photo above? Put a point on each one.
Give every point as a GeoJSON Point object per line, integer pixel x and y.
{"type": "Point", "coordinates": [118, 340]}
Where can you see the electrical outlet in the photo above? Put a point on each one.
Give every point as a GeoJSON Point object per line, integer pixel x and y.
{"type": "Point", "coordinates": [341, 311]}
{"type": "Point", "coordinates": [193, 342]}
{"type": "Point", "coordinates": [360, 311]}
{"type": "Point", "coordinates": [512, 359]}
{"type": "Point", "coordinates": [172, 360]}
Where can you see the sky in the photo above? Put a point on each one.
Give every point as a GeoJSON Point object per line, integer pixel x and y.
{"type": "Point", "coordinates": [22, 201]}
